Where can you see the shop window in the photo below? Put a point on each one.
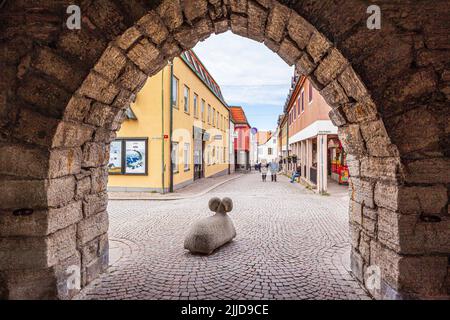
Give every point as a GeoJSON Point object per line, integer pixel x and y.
{"type": "Point", "coordinates": [203, 111]}
{"type": "Point", "coordinates": [128, 156]}
{"type": "Point", "coordinates": [175, 157]}
{"type": "Point", "coordinates": [186, 99]}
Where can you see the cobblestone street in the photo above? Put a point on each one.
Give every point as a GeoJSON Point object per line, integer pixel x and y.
{"type": "Point", "coordinates": [290, 244]}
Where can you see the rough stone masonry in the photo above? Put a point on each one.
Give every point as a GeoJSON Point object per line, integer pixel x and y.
{"type": "Point", "coordinates": [63, 94]}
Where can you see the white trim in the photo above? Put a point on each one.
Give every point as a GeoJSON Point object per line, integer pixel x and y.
{"type": "Point", "coordinates": [318, 127]}
{"type": "Point", "coordinates": [302, 97]}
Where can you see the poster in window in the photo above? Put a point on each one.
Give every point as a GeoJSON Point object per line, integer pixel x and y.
{"type": "Point", "coordinates": [135, 156]}
{"type": "Point", "coordinates": [115, 157]}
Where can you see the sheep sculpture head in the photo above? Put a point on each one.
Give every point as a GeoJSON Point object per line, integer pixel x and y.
{"type": "Point", "coordinates": [220, 206]}
{"type": "Point", "coordinates": [210, 233]}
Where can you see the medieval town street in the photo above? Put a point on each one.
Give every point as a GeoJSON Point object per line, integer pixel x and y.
{"type": "Point", "coordinates": [291, 244]}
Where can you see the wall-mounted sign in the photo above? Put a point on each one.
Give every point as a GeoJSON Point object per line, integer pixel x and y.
{"type": "Point", "coordinates": [128, 156]}
{"type": "Point", "coordinates": [254, 130]}
{"type": "Point", "coordinates": [218, 137]}
{"type": "Point", "coordinates": [206, 136]}
{"type": "Point", "coordinates": [115, 157]}
{"type": "Point", "coordinates": [135, 156]}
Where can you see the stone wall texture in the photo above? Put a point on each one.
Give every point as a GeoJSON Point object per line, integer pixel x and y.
{"type": "Point", "coordinates": [63, 94]}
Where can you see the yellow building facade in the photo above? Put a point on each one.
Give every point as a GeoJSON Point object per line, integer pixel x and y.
{"type": "Point", "coordinates": [177, 131]}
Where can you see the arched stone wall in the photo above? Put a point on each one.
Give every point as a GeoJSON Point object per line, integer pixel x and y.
{"type": "Point", "coordinates": [63, 95]}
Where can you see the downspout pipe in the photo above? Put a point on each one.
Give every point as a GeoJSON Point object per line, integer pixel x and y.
{"type": "Point", "coordinates": [162, 133]}
{"type": "Point", "coordinates": [171, 126]}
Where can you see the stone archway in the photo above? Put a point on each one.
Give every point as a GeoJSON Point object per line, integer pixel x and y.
{"type": "Point", "coordinates": [63, 95]}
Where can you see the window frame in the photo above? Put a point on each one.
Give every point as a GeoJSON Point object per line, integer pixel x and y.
{"type": "Point", "coordinates": [310, 93]}
{"type": "Point", "coordinates": [202, 108]}
{"type": "Point", "coordinates": [176, 89]}
{"type": "Point", "coordinates": [175, 157]}
{"type": "Point", "coordinates": [195, 102]}
{"type": "Point", "coordinates": [186, 99]}
{"type": "Point", "coordinates": [302, 95]}
{"type": "Point", "coordinates": [123, 172]}
{"type": "Point", "coordinates": [186, 156]}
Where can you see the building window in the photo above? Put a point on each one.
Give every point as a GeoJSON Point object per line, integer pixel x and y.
{"type": "Point", "coordinates": [302, 97]}
{"type": "Point", "coordinates": [298, 105]}
{"type": "Point", "coordinates": [310, 93]}
{"type": "Point", "coordinates": [128, 156]}
{"type": "Point", "coordinates": [295, 112]}
{"type": "Point", "coordinates": [186, 157]}
{"type": "Point", "coordinates": [203, 111]}
{"type": "Point", "coordinates": [208, 153]}
{"type": "Point", "coordinates": [269, 151]}
{"type": "Point", "coordinates": [209, 114]}
{"type": "Point", "coordinates": [174, 92]}
{"type": "Point", "coordinates": [186, 99]}
{"type": "Point", "coordinates": [175, 157]}
{"type": "Point", "coordinates": [195, 105]}
{"type": "Point", "coordinates": [213, 117]}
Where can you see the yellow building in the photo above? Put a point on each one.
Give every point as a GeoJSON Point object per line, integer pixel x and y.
{"type": "Point", "coordinates": [162, 148]}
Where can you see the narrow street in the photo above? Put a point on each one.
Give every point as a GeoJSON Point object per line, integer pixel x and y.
{"type": "Point", "coordinates": [290, 244]}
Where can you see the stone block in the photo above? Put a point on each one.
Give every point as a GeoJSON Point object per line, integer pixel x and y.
{"type": "Point", "coordinates": [194, 9]}
{"type": "Point", "coordinates": [203, 28]}
{"type": "Point", "coordinates": [435, 170]}
{"type": "Point", "coordinates": [69, 134]}
{"type": "Point", "coordinates": [380, 168]}
{"type": "Point", "coordinates": [101, 114]}
{"type": "Point", "coordinates": [64, 162]}
{"type": "Point", "coordinates": [35, 128]}
{"type": "Point", "coordinates": [95, 203]}
{"type": "Point", "coordinates": [111, 63]}
{"type": "Point", "coordinates": [354, 166]}
{"type": "Point", "coordinates": [352, 140]}
{"type": "Point", "coordinates": [288, 51]}
{"type": "Point", "coordinates": [77, 109]}
{"type": "Point", "coordinates": [330, 67]}
{"type": "Point", "coordinates": [362, 192]}
{"type": "Point", "coordinates": [409, 200]}
{"type": "Point", "coordinates": [28, 284]}
{"type": "Point", "coordinates": [33, 160]}
{"type": "Point", "coordinates": [377, 140]}
{"type": "Point", "coordinates": [171, 14]}
{"type": "Point", "coordinates": [318, 46]}
{"type": "Point", "coordinates": [23, 194]}
{"type": "Point", "coordinates": [353, 85]}
{"type": "Point", "coordinates": [146, 56]}
{"type": "Point", "coordinates": [337, 116]}
{"type": "Point", "coordinates": [128, 38]}
{"type": "Point", "coordinates": [186, 37]}
{"type": "Point", "coordinates": [95, 154]}
{"type": "Point", "coordinates": [92, 227]}
{"type": "Point", "coordinates": [305, 65]}
{"type": "Point", "coordinates": [99, 179]}
{"type": "Point", "coordinates": [334, 95]}
{"type": "Point", "coordinates": [355, 212]}
{"type": "Point", "coordinates": [257, 17]}
{"type": "Point", "coordinates": [98, 88]}
{"type": "Point", "coordinates": [239, 25]}
{"type": "Point", "coordinates": [360, 111]}
{"type": "Point", "coordinates": [48, 98]}
{"type": "Point", "coordinates": [152, 26]}
{"type": "Point", "coordinates": [51, 64]}
{"type": "Point", "coordinates": [60, 191]}
{"type": "Point", "coordinates": [357, 265]}
{"type": "Point", "coordinates": [300, 30]}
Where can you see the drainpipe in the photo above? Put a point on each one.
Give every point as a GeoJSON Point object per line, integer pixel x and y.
{"type": "Point", "coordinates": [171, 125]}
{"type": "Point", "coordinates": [162, 132]}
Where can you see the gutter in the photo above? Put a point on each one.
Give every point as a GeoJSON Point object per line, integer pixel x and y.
{"type": "Point", "coordinates": [171, 126]}
{"type": "Point", "coordinates": [162, 133]}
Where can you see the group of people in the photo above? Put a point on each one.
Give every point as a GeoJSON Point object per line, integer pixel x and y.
{"type": "Point", "coordinates": [265, 167]}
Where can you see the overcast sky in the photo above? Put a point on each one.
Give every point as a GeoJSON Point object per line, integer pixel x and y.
{"type": "Point", "coordinates": [249, 74]}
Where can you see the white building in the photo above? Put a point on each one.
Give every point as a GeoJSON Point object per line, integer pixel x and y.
{"type": "Point", "coordinates": [267, 147]}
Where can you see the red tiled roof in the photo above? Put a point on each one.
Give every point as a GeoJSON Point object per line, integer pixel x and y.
{"type": "Point", "coordinates": [238, 115]}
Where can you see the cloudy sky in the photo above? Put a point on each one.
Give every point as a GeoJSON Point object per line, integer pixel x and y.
{"type": "Point", "coordinates": [249, 75]}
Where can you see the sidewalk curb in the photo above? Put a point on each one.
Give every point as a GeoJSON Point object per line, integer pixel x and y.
{"type": "Point", "coordinates": [188, 196]}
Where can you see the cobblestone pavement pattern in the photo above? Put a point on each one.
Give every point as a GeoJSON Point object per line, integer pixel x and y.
{"type": "Point", "coordinates": [290, 244]}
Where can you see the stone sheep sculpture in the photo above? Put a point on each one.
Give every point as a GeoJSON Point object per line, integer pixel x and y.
{"type": "Point", "coordinates": [210, 233]}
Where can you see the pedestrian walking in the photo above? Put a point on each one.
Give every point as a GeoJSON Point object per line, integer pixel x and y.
{"type": "Point", "coordinates": [274, 168]}
{"type": "Point", "coordinates": [264, 168]}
